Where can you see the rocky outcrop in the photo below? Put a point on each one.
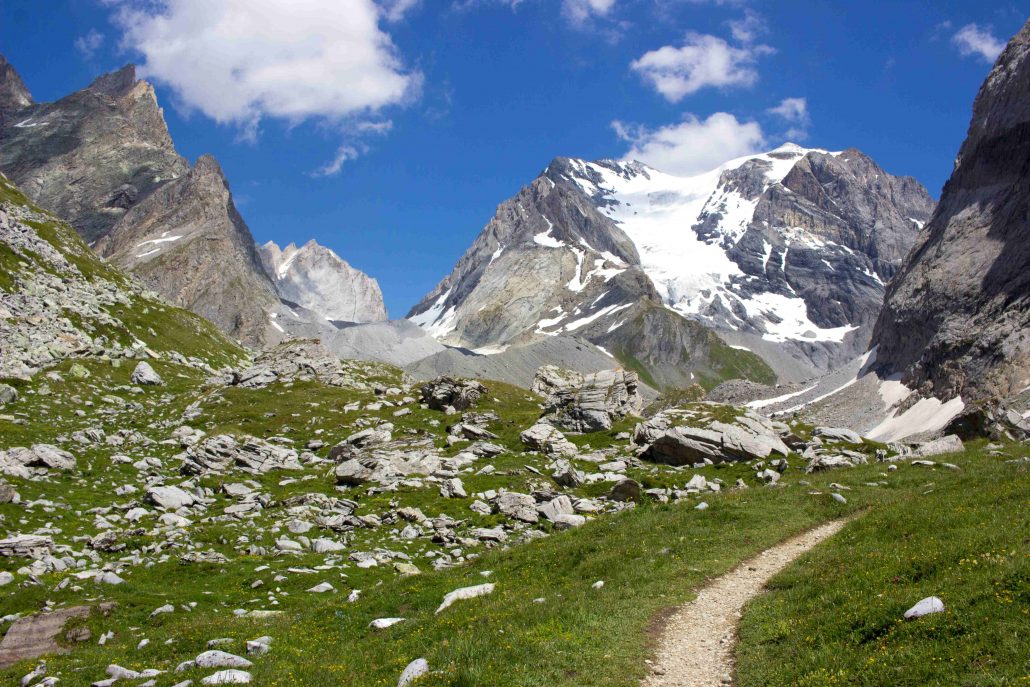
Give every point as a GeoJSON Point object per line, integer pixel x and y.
{"type": "Point", "coordinates": [687, 437]}
{"type": "Point", "coordinates": [456, 394]}
{"type": "Point", "coordinates": [588, 403]}
{"type": "Point", "coordinates": [956, 320]}
{"type": "Point", "coordinates": [786, 254]}
{"type": "Point", "coordinates": [14, 96]}
{"type": "Point", "coordinates": [316, 278]}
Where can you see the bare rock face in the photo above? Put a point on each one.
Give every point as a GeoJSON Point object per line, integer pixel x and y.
{"type": "Point", "coordinates": [53, 151]}
{"type": "Point", "coordinates": [591, 402]}
{"type": "Point", "coordinates": [187, 242]}
{"type": "Point", "coordinates": [14, 95]}
{"type": "Point", "coordinates": [316, 278]}
{"type": "Point", "coordinates": [956, 320]}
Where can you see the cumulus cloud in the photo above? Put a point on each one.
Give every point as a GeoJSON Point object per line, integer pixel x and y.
{"type": "Point", "coordinates": [333, 167]}
{"type": "Point", "coordinates": [693, 145]}
{"type": "Point", "coordinates": [394, 10]}
{"type": "Point", "coordinates": [240, 61]}
{"type": "Point", "coordinates": [702, 61]}
{"type": "Point", "coordinates": [748, 28]}
{"type": "Point", "coordinates": [972, 41]}
{"type": "Point", "coordinates": [88, 45]}
{"type": "Point", "coordinates": [793, 111]}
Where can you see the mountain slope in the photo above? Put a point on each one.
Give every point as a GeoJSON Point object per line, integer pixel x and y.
{"type": "Point", "coordinates": [102, 159]}
{"type": "Point", "coordinates": [316, 278]}
{"type": "Point", "coordinates": [784, 253]}
{"type": "Point", "coordinates": [956, 320]}
{"type": "Point", "coordinates": [58, 301]}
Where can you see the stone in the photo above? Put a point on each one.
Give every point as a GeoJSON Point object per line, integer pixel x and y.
{"type": "Point", "coordinates": [927, 606]}
{"type": "Point", "coordinates": [34, 636]}
{"type": "Point", "coordinates": [938, 447]}
{"type": "Point", "coordinates": [383, 623]}
{"type": "Point", "coordinates": [626, 490]}
{"type": "Point", "coordinates": [464, 594]}
{"type": "Point", "coordinates": [8, 394]}
{"type": "Point", "coordinates": [453, 489]}
{"type": "Point", "coordinates": [220, 659]}
{"type": "Point", "coordinates": [838, 434]}
{"type": "Point", "coordinates": [459, 394]}
{"type": "Point", "coordinates": [227, 677]}
{"type": "Point", "coordinates": [543, 437]}
{"type": "Point", "coordinates": [144, 375]}
{"type": "Point", "coordinates": [171, 498]}
{"type": "Point", "coordinates": [518, 506]}
{"type": "Point", "coordinates": [587, 402]}
{"type": "Point", "coordinates": [26, 546]}
{"type": "Point", "coordinates": [413, 671]}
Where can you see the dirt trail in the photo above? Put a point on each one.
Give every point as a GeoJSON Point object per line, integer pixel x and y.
{"type": "Point", "coordinates": [697, 643]}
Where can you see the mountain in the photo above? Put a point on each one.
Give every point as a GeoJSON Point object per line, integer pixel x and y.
{"type": "Point", "coordinates": [956, 320]}
{"type": "Point", "coordinates": [316, 278]}
{"type": "Point", "coordinates": [102, 159]}
{"type": "Point", "coordinates": [785, 254]}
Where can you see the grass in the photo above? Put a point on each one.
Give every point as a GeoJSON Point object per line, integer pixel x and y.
{"type": "Point", "coordinates": [838, 615]}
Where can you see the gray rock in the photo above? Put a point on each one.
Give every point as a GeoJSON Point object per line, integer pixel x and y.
{"type": "Point", "coordinates": [927, 606]}
{"type": "Point", "coordinates": [413, 671]}
{"type": "Point", "coordinates": [838, 434]}
{"type": "Point", "coordinates": [8, 394]}
{"type": "Point", "coordinates": [588, 403]}
{"type": "Point", "coordinates": [626, 490]}
{"type": "Point", "coordinates": [459, 394]}
{"type": "Point", "coordinates": [544, 437]}
{"type": "Point", "coordinates": [938, 447]}
{"type": "Point", "coordinates": [518, 506]}
{"type": "Point", "coordinates": [171, 498]}
{"type": "Point", "coordinates": [144, 375]}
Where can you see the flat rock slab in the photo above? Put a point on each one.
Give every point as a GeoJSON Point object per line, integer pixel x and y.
{"type": "Point", "coordinates": [696, 648]}
{"type": "Point", "coordinates": [36, 635]}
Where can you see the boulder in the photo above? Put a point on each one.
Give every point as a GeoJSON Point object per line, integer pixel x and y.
{"type": "Point", "coordinates": [144, 375]}
{"type": "Point", "coordinates": [588, 402]}
{"type": "Point", "coordinates": [444, 392]}
{"type": "Point", "coordinates": [26, 546]}
{"type": "Point", "coordinates": [839, 434]}
{"type": "Point", "coordinates": [938, 447]}
{"type": "Point", "coordinates": [543, 437]}
{"type": "Point", "coordinates": [626, 490]}
{"type": "Point", "coordinates": [171, 498]}
{"type": "Point", "coordinates": [518, 506]}
{"type": "Point", "coordinates": [8, 394]}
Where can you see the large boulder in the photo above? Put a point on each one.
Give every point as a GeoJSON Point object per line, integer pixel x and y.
{"type": "Point", "coordinates": [588, 402]}
{"type": "Point", "coordinates": [250, 454]}
{"type": "Point", "coordinates": [683, 437]}
{"type": "Point", "coordinates": [459, 394]}
{"type": "Point", "coordinates": [144, 375]}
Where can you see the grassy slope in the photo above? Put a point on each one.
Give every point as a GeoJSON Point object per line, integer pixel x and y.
{"type": "Point", "coordinates": [960, 536]}
{"type": "Point", "coordinates": [162, 327]}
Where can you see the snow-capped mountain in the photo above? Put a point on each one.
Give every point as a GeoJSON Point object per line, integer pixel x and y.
{"type": "Point", "coordinates": [785, 253]}
{"type": "Point", "coordinates": [318, 279]}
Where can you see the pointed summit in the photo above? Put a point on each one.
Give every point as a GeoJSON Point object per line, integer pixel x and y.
{"type": "Point", "coordinates": [13, 93]}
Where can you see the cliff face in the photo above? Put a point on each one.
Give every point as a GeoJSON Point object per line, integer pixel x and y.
{"type": "Point", "coordinates": [956, 319]}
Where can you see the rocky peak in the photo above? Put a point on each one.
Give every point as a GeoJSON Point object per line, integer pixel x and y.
{"type": "Point", "coordinates": [955, 319]}
{"type": "Point", "coordinates": [316, 278]}
{"type": "Point", "coordinates": [116, 84]}
{"type": "Point", "coordinates": [13, 93]}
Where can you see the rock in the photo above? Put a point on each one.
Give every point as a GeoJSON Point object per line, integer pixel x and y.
{"type": "Point", "coordinates": [587, 403]}
{"type": "Point", "coordinates": [7, 493]}
{"type": "Point", "coordinates": [626, 490]}
{"type": "Point", "coordinates": [838, 498]}
{"type": "Point", "coordinates": [220, 659]}
{"type": "Point", "coordinates": [518, 506]}
{"type": "Point", "coordinates": [34, 636]}
{"type": "Point", "coordinates": [222, 452]}
{"type": "Point", "coordinates": [322, 588]}
{"type": "Point", "coordinates": [459, 394]}
{"type": "Point", "coordinates": [938, 447]}
{"type": "Point", "coordinates": [144, 375]}
{"type": "Point", "coordinates": [383, 623]}
{"type": "Point", "coordinates": [48, 456]}
{"type": "Point", "coordinates": [352, 472]}
{"type": "Point", "coordinates": [567, 475]}
{"type": "Point", "coordinates": [838, 434]}
{"type": "Point", "coordinates": [26, 546]}
{"type": "Point", "coordinates": [227, 677]}
{"type": "Point", "coordinates": [927, 606]}
{"type": "Point", "coordinates": [544, 437]}
{"type": "Point", "coordinates": [413, 671]}
{"type": "Point", "coordinates": [171, 498]}
{"type": "Point", "coordinates": [464, 594]}
{"type": "Point", "coordinates": [453, 489]}
{"type": "Point", "coordinates": [670, 438]}
{"type": "Point", "coordinates": [79, 371]}
{"type": "Point", "coordinates": [8, 394]}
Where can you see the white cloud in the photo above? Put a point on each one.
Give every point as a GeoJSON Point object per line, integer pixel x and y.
{"type": "Point", "coordinates": [579, 12]}
{"type": "Point", "coordinates": [971, 40]}
{"type": "Point", "coordinates": [333, 167]}
{"type": "Point", "coordinates": [747, 28]}
{"type": "Point", "coordinates": [394, 10]}
{"type": "Point", "coordinates": [701, 61]}
{"type": "Point", "coordinates": [239, 61]}
{"type": "Point", "coordinates": [89, 44]}
{"type": "Point", "coordinates": [693, 145]}
{"type": "Point", "coordinates": [793, 111]}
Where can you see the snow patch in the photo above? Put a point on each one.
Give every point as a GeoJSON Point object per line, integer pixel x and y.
{"type": "Point", "coordinates": [927, 415]}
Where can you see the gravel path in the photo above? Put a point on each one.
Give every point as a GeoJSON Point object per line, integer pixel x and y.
{"type": "Point", "coordinates": [696, 647]}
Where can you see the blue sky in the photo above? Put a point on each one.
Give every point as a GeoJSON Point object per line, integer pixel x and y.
{"type": "Point", "coordinates": [389, 132]}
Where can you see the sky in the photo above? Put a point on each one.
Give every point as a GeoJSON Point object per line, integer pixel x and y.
{"type": "Point", "coordinates": [389, 130]}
